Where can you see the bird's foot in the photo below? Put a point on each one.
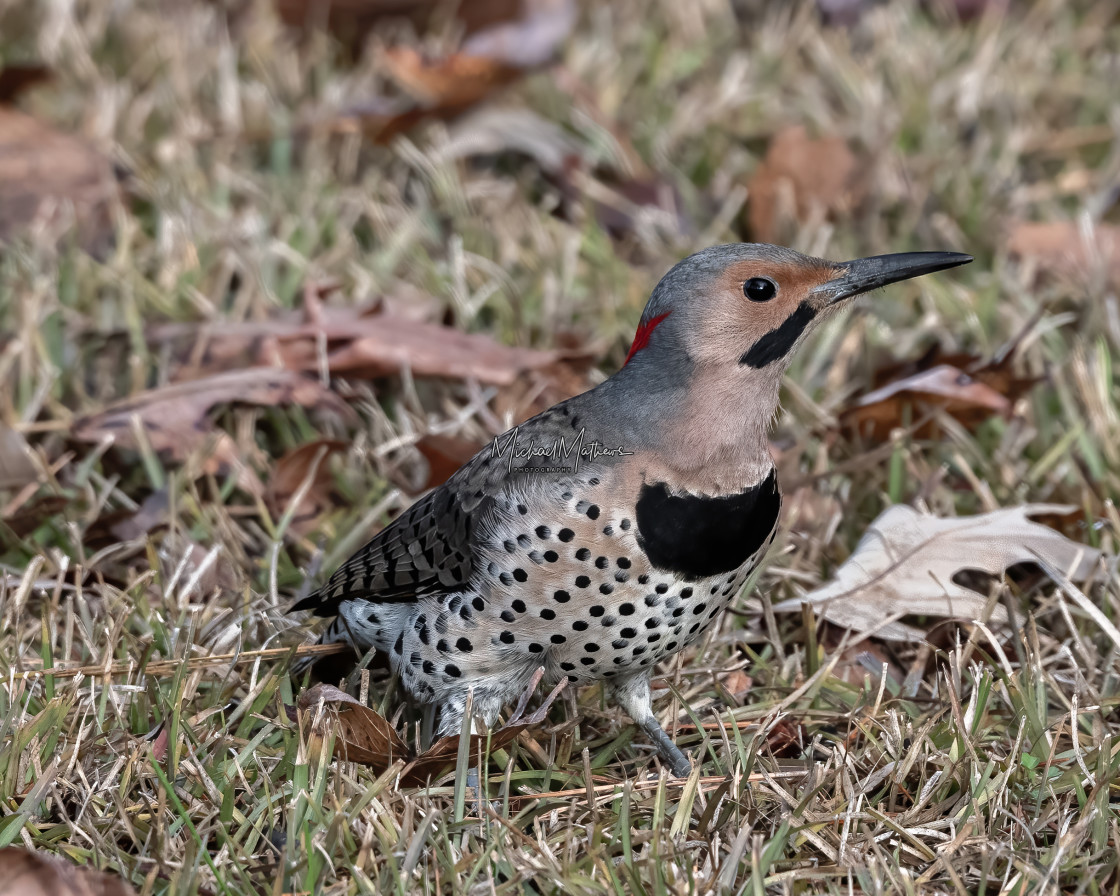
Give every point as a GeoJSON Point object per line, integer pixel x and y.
{"type": "Point", "coordinates": [481, 803]}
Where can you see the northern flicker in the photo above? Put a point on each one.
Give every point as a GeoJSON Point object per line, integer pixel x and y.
{"type": "Point", "coordinates": [609, 532]}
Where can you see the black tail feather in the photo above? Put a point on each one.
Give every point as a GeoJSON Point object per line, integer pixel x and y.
{"type": "Point", "coordinates": [316, 603]}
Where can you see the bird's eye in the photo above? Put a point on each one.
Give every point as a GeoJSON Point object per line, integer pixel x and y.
{"type": "Point", "coordinates": [759, 289]}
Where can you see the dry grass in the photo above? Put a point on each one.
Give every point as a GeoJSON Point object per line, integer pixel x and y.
{"type": "Point", "coordinates": [990, 768]}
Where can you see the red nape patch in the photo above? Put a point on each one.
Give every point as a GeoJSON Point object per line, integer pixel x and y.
{"type": "Point", "coordinates": [641, 338]}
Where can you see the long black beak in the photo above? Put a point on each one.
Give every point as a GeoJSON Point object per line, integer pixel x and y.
{"type": "Point", "coordinates": [866, 274]}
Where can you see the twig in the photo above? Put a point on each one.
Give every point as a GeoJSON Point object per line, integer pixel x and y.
{"type": "Point", "coordinates": [169, 667]}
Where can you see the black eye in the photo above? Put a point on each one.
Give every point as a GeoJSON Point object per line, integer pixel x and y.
{"type": "Point", "coordinates": [759, 289]}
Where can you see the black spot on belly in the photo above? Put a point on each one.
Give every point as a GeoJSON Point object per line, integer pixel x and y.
{"type": "Point", "coordinates": [695, 536]}
{"type": "Point", "coordinates": [778, 342]}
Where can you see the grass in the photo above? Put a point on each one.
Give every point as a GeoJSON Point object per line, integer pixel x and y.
{"type": "Point", "coordinates": [978, 763]}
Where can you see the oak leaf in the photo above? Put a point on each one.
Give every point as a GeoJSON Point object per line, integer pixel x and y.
{"type": "Point", "coordinates": [906, 562]}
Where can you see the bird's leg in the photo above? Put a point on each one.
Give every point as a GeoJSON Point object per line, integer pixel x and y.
{"type": "Point", "coordinates": [483, 716]}
{"type": "Point", "coordinates": [632, 694]}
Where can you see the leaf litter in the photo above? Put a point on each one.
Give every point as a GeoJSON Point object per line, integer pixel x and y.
{"type": "Point", "coordinates": [301, 483]}
{"type": "Point", "coordinates": [174, 420]}
{"type": "Point", "coordinates": [370, 341]}
{"type": "Point", "coordinates": [443, 85]}
{"type": "Point", "coordinates": [1071, 250]}
{"type": "Point", "coordinates": [969, 388]}
{"type": "Point", "coordinates": [907, 564]}
{"type": "Point", "coordinates": [24, 872]}
{"type": "Point", "coordinates": [51, 181]}
{"type": "Point", "coordinates": [802, 180]}
{"type": "Point", "coordinates": [364, 736]}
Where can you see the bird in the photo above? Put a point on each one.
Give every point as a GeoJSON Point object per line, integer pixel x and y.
{"type": "Point", "coordinates": [609, 532]}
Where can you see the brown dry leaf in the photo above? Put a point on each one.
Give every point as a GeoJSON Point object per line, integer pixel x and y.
{"type": "Point", "coordinates": [27, 873]}
{"type": "Point", "coordinates": [43, 173]}
{"type": "Point", "coordinates": [906, 563]}
{"type": "Point", "coordinates": [786, 738]}
{"type": "Point", "coordinates": [997, 371]}
{"type": "Point", "coordinates": [969, 400]}
{"type": "Point", "coordinates": [174, 418]}
{"type": "Point", "coordinates": [24, 517]}
{"type": "Point", "coordinates": [160, 744]}
{"type": "Point", "coordinates": [445, 454]}
{"type": "Point", "coordinates": [738, 683]}
{"type": "Point", "coordinates": [384, 346]}
{"type": "Point", "coordinates": [15, 79]}
{"type": "Point", "coordinates": [443, 753]}
{"type": "Point", "coordinates": [1063, 248]}
{"type": "Point", "coordinates": [445, 86]}
{"type": "Point", "coordinates": [968, 387]}
{"type": "Point", "coordinates": [16, 466]}
{"type": "Point", "coordinates": [303, 468]}
{"type": "Point", "coordinates": [352, 20]}
{"type": "Point", "coordinates": [361, 344]}
{"type": "Point", "coordinates": [801, 180]}
{"type": "Point", "coordinates": [363, 735]}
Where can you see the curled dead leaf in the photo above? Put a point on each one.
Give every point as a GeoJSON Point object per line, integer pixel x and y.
{"type": "Point", "coordinates": [738, 683]}
{"type": "Point", "coordinates": [365, 736]}
{"type": "Point", "coordinates": [448, 84]}
{"type": "Point", "coordinates": [1066, 248]}
{"type": "Point", "coordinates": [786, 738]}
{"type": "Point", "coordinates": [27, 873]}
{"type": "Point", "coordinates": [968, 387]}
{"type": "Point", "coordinates": [173, 419]}
{"type": "Point", "coordinates": [801, 180]}
{"type": "Point", "coordinates": [907, 563]}
{"type": "Point", "coordinates": [444, 86]}
{"type": "Point", "coordinates": [302, 475]}
{"type": "Point", "coordinates": [444, 454]}
{"type": "Point", "coordinates": [361, 734]}
{"type": "Point", "coordinates": [370, 344]}
{"type": "Point", "coordinates": [51, 180]}
{"type": "Point", "coordinates": [875, 414]}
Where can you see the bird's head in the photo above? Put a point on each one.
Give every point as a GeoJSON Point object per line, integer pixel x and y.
{"type": "Point", "coordinates": [721, 327]}
{"type": "Point", "coordinates": [748, 306]}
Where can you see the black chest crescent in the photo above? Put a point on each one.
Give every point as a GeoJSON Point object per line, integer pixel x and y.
{"type": "Point", "coordinates": [695, 536]}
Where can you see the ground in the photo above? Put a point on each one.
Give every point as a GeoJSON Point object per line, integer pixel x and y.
{"type": "Point", "coordinates": [973, 763]}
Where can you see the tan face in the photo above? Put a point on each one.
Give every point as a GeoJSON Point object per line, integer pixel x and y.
{"type": "Point", "coordinates": [716, 337]}
{"type": "Point", "coordinates": [737, 316]}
